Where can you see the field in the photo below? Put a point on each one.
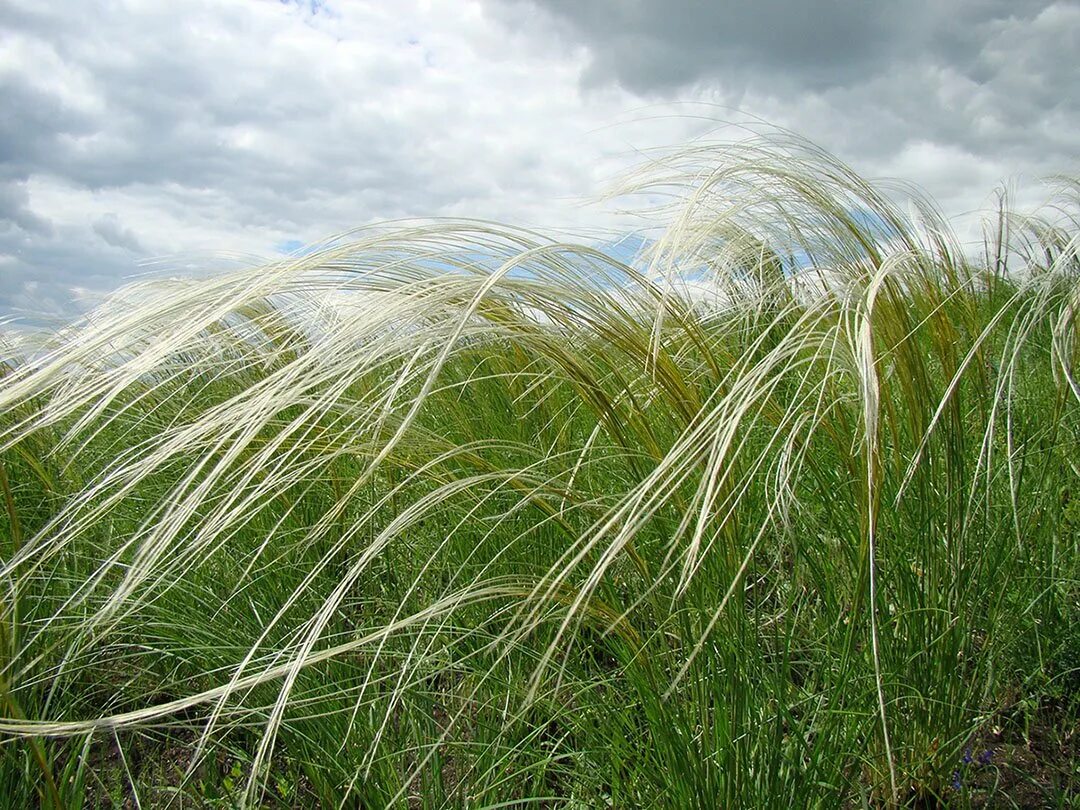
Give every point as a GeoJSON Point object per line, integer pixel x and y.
{"type": "Point", "coordinates": [783, 512]}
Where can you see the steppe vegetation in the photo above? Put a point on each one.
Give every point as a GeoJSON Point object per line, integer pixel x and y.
{"type": "Point", "coordinates": [451, 514]}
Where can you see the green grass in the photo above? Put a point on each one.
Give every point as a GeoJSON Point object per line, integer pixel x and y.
{"type": "Point", "coordinates": [453, 515]}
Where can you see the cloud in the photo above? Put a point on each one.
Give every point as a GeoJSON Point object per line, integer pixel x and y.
{"type": "Point", "coordinates": [143, 128]}
{"type": "Point", "coordinates": [109, 228]}
{"type": "Point", "coordinates": [15, 210]}
{"type": "Point", "coordinates": [658, 47]}
{"type": "Point", "coordinates": [880, 84]}
{"type": "Point", "coordinates": [154, 128]}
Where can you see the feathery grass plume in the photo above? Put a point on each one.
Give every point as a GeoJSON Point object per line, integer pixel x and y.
{"type": "Point", "coordinates": [449, 513]}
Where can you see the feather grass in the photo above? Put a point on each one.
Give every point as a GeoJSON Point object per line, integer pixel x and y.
{"type": "Point", "coordinates": [450, 513]}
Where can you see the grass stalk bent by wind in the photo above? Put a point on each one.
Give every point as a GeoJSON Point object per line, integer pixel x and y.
{"type": "Point", "coordinates": [454, 514]}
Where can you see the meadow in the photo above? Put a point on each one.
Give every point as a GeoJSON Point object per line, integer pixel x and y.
{"type": "Point", "coordinates": [785, 511]}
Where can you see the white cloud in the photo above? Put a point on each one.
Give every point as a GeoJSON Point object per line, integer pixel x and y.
{"type": "Point", "coordinates": [136, 128]}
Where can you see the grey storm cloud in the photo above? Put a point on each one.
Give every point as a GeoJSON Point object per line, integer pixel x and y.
{"type": "Point", "coordinates": [947, 94]}
{"type": "Point", "coordinates": [112, 231]}
{"type": "Point", "coordinates": [15, 211]}
{"type": "Point", "coordinates": [657, 46]}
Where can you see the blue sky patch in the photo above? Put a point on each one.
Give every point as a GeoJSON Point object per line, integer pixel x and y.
{"type": "Point", "coordinates": [289, 246]}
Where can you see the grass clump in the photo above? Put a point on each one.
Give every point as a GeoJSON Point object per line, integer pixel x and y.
{"type": "Point", "coordinates": [452, 514]}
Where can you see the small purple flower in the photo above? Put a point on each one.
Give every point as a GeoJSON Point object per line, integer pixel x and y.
{"type": "Point", "coordinates": [986, 756]}
{"type": "Point", "coordinates": [967, 756]}
{"type": "Point", "coordinates": [956, 783]}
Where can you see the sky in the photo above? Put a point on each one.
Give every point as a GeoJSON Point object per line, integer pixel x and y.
{"type": "Point", "coordinates": [137, 135]}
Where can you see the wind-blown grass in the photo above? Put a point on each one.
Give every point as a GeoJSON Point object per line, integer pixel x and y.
{"type": "Point", "coordinates": [453, 514]}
